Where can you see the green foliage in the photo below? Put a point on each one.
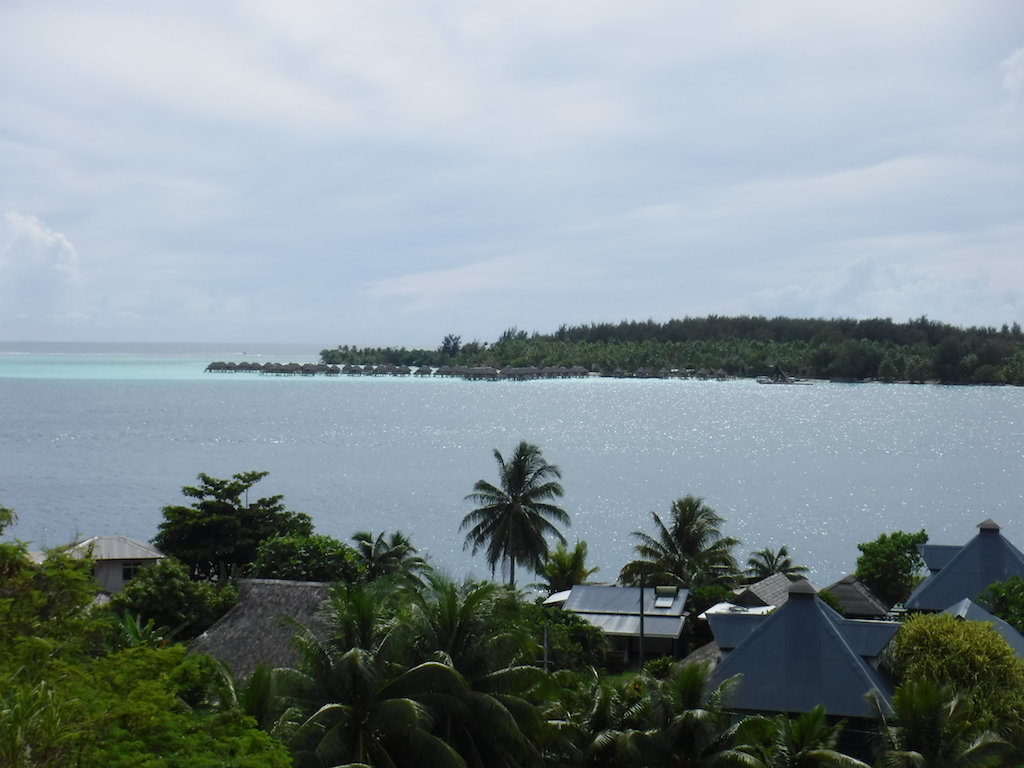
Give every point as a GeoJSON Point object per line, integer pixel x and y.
{"type": "Point", "coordinates": [659, 668]}
{"type": "Point", "coordinates": [1005, 599]}
{"type": "Point", "coordinates": [306, 558]}
{"type": "Point", "coordinates": [573, 642]}
{"type": "Point", "coordinates": [806, 741]}
{"type": "Point", "coordinates": [767, 562]}
{"type": "Point", "coordinates": [973, 660]}
{"type": "Point", "coordinates": [831, 600]}
{"type": "Point", "coordinates": [513, 520]}
{"type": "Point", "coordinates": [932, 726]}
{"type": "Point", "coordinates": [564, 568]}
{"type": "Point", "coordinates": [219, 534]}
{"type": "Point", "coordinates": [689, 550]}
{"type": "Point", "coordinates": [166, 594]}
{"type": "Point", "coordinates": [393, 558]}
{"type": "Point", "coordinates": [917, 350]}
{"type": "Point", "coordinates": [890, 565]}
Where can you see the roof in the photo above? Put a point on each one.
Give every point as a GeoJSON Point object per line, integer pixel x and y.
{"type": "Point", "coordinates": [985, 559]}
{"type": "Point", "coordinates": [971, 611]}
{"type": "Point", "coordinates": [616, 610]}
{"type": "Point", "coordinates": [116, 548]}
{"type": "Point", "coordinates": [803, 655]}
{"type": "Point", "coordinates": [252, 631]}
{"type": "Point", "coordinates": [937, 556]}
{"type": "Point", "coordinates": [772, 590]}
{"type": "Point", "coordinates": [857, 600]}
{"type": "Point", "coordinates": [592, 598]}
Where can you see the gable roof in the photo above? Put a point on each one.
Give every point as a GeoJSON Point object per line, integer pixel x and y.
{"type": "Point", "coordinates": [616, 610]}
{"type": "Point", "coordinates": [252, 631]}
{"type": "Point", "coordinates": [804, 655]}
{"type": "Point", "coordinates": [115, 548]}
{"type": "Point", "coordinates": [857, 600]}
{"type": "Point", "coordinates": [985, 559]}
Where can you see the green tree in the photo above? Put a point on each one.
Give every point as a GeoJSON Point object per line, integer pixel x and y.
{"type": "Point", "coordinates": [890, 565]}
{"type": "Point", "coordinates": [1005, 599]}
{"type": "Point", "coordinates": [689, 550]}
{"type": "Point", "coordinates": [806, 741]}
{"type": "Point", "coordinates": [931, 726]}
{"type": "Point", "coordinates": [767, 562]}
{"type": "Point", "coordinates": [166, 594]}
{"type": "Point", "coordinates": [564, 568]}
{"type": "Point", "coordinates": [515, 517]}
{"type": "Point", "coordinates": [219, 534]}
{"type": "Point", "coordinates": [390, 557]}
{"type": "Point", "coordinates": [306, 558]}
{"type": "Point", "coordinates": [970, 657]}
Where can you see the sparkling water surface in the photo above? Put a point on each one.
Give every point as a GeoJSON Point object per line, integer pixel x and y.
{"type": "Point", "coordinates": [96, 439]}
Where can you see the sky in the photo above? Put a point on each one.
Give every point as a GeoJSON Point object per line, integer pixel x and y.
{"type": "Point", "coordinates": [386, 172]}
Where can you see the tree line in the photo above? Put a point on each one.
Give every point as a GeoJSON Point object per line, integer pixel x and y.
{"type": "Point", "coordinates": [918, 350]}
{"type": "Point", "coordinates": [415, 668]}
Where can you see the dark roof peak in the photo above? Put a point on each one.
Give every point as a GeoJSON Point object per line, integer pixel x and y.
{"type": "Point", "coordinates": [989, 525]}
{"type": "Point", "coordinates": [802, 590]}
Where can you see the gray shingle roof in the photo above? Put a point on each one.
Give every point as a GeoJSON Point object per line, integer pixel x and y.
{"type": "Point", "coordinates": [805, 654]}
{"type": "Point", "coordinates": [985, 559]}
{"type": "Point", "coordinates": [857, 600]}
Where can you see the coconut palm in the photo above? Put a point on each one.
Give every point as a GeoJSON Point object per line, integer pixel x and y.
{"type": "Point", "coordinates": [564, 568]}
{"type": "Point", "coordinates": [689, 550]}
{"type": "Point", "coordinates": [515, 517]}
{"type": "Point", "coordinates": [390, 557]}
{"type": "Point", "coordinates": [766, 562]}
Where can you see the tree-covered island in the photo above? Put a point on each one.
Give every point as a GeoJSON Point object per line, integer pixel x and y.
{"type": "Point", "coordinates": [403, 666]}
{"type": "Point", "coordinates": [918, 350]}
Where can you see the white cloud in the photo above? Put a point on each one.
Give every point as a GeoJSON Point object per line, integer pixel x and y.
{"type": "Point", "coordinates": [41, 278]}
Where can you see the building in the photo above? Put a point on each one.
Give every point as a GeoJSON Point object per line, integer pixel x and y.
{"type": "Point", "coordinates": [117, 559]}
{"type": "Point", "coordinates": [956, 573]}
{"type": "Point", "coordinates": [802, 655]}
{"type": "Point", "coordinates": [616, 611]}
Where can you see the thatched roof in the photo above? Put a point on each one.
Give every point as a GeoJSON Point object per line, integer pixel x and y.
{"type": "Point", "coordinates": [252, 631]}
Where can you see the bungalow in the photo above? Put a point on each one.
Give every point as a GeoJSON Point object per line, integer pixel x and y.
{"type": "Point", "coordinates": [617, 611]}
{"type": "Point", "coordinates": [956, 573]}
{"type": "Point", "coordinates": [802, 655]}
{"type": "Point", "coordinates": [117, 559]}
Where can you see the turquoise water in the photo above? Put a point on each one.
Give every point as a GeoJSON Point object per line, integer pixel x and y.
{"type": "Point", "coordinates": [95, 440]}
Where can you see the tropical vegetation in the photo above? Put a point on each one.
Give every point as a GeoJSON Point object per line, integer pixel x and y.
{"type": "Point", "coordinates": [407, 666]}
{"type": "Point", "coordinates": [917, 350]}
{"type": "Point", "coordinates": [516, 516]}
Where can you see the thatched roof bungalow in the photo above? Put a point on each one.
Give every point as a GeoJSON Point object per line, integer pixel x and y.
{"type": "Point", "coordinates": [255, 629]}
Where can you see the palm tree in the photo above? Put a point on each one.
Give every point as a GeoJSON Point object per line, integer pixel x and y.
{"type": "Point", "coordinates": [766, 562]}
{"type": "Point", "coordinates": [807, 741]}
{"type": "Point", "coordinates": [393, 557]}
{"type": "Point", "coordinates": [932, 727]}
{"type": "Point", "coordinates": [565, 568]}
{"type": "Point", "coordinates": [689, 551]}
{"type": "Point", "coordinates": [513, 519]}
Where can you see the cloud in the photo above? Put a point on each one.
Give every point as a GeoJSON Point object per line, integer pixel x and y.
{"type": "Point", "coordinates": [41, 278]}
{"type": "Point", "coordinates": [1013, 75]}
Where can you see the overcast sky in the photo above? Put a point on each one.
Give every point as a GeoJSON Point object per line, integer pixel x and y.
{"type": "Point", "coordinates": [385, 172]}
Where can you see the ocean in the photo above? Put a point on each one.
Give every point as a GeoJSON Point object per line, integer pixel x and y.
{"type": "Point", "coordinates": [96, 439]}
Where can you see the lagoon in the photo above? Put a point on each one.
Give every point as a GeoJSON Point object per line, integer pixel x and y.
{"type": "Point", "coordinates": [95, 439]}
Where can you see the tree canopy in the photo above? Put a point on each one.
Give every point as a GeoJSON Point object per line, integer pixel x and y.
{"type": "Point", "coordinates": [220, 532]}
{"type": "Point", "coordinates": [890, 564]}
